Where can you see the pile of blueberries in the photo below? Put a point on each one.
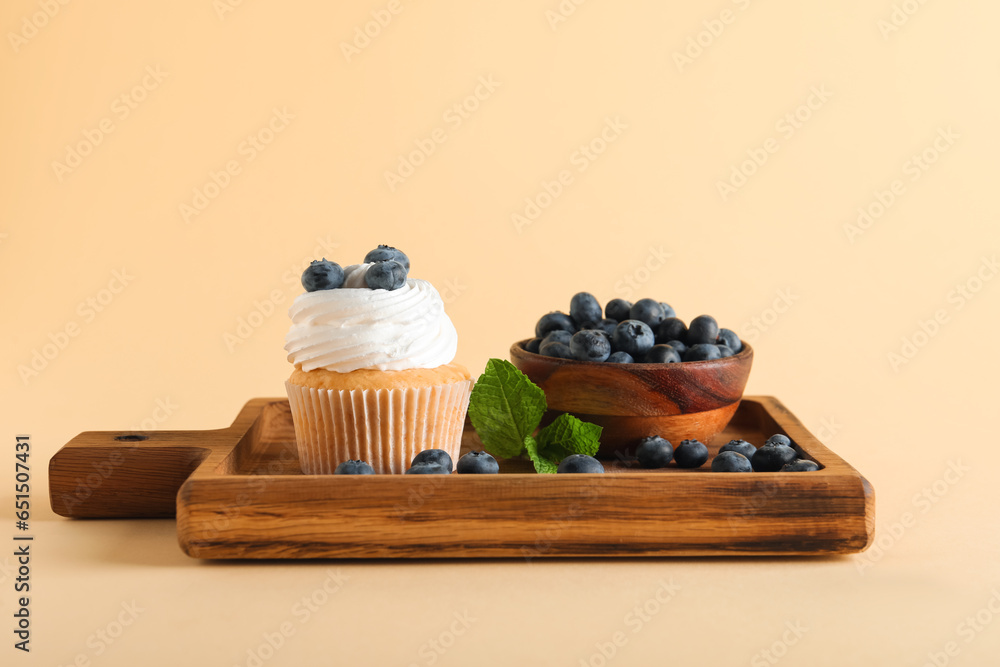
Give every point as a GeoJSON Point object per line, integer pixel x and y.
{"type": "Point", "coordinates": [647, 331]}
{"type": "Point", "coordinates": [432, 462]}
{"type": "Point", "coordinates": [776, 455]}
{"type": "Point", "coordinates": [438, 462]}
{"type": "Point", "coordinates": [388, 271]}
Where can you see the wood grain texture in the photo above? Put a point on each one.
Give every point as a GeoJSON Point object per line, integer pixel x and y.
{"type": "Point", "coordinates": [631, 401]}
{"type": "Point", "coordinates": [109, 474]}
{"type": "Point", "coordinates": [246, 498]}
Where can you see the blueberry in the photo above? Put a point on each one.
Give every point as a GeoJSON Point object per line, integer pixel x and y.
{"type": "Point", "coordinates": [634, 337]}
{"type": "Point", "coordinates": [437, 456]}
{"type": "Point", "coordinates": [427, 469]}
{"type": "Point", "coordinates": [779, 439]}
{"type": "Point", "coordinates": [557, 351]}
{"type": "Point", "coordinates": [800, 465]}
{"type": "Point", "coordinates": [620, 357]}
{"type": "Point", "coordinates": [742, 446]}
{"type": "Point", "coordinates": [557, 336]}
{"type": "Point", "coordinates": [584, 309]}
{"type": "Point", "coordinates": [731, 461]}
{"type": "Point", "coordinates": [725, 351]}
{"type": "Point", "coordinates": [691, 454]}
{"type": "Point", "coordinates": [702, 352]}
{"type": "Point", "coordinates": [617, 309]}
{"type": "Point", "coordinates": [477, 463]}
{"type": "Point", "coordinates": [387, 275]}
{"type": "Point", "coordinates": [589, 345]}
{"type": "Point", "coordinates": [322, 274]}
{"type": "Point", "coordinates": [729, 338]}
{"type": "Point", "coordinates": [580, 463]}
{"type": "Point", "coordinates": [668, 311]}
{"type": "Point", "coordinates": [387, 252]}
{"type": "Point", "coordinates": [532, 345]}
{"type": "Point", "coordinates": [677, 345]}
{"type": "Point", "coordinates": [671, 328]}
{"type": "Point", "coordinates": [648, 311]}
{"type": "Point", "coordinates": [552, 322]}
{"type": "Point", "coordinates": [662, 354]}
{"type": "Point", "coordinates": [771, 457]}
{"type": "Point", "coordinates": [354, 467]}
{"type": "Point", "coordinates": [607, 325]}
{"type": "Point", "coordinates": [654, 452]}
{"type": "Point", "coordinates": [703, 329]}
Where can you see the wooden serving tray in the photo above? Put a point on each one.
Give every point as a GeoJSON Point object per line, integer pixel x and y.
{"type": "Point", "coordinates": [238, 492]}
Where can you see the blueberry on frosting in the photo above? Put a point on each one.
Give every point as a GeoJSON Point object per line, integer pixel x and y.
{"type": "Point", "coordinates": [387, 252]}
{"type": "Point", "coordinates": [322, 274]}
{"type": "Point", "coordinates": [387, 275]}
{"type": "Point", "coordinates": [384, 268]}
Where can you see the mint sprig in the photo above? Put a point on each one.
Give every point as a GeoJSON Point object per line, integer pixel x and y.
{"type": "Point", "coordinates": [506, 408]}
{"type": "Point", "coordinates": [542, 463]}
{"type": "Point", "coordinates": [569, 435]}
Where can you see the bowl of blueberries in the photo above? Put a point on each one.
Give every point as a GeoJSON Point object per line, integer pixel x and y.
{"type": "Point", "coordinates": [636, 369]}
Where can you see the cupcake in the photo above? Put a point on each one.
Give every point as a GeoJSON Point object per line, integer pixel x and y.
{"type": "Point", "coordinates": [374, 377]}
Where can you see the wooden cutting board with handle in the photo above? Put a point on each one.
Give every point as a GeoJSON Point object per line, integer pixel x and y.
{"type": "Point", "coordinates": [238, 492]}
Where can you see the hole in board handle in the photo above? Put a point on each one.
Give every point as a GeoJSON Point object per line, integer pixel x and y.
{"type": "Point", "coordinates": [131, 437]}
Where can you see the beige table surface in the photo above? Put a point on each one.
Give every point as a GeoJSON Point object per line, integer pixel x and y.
{"type": "Point", "coordinates": [167, 173]}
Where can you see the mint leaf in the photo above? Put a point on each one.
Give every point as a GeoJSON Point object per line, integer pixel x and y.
{"type": "Point", "coordinates": [542, 465]}
{"type": "Point", "coordinates": [505, 408]}
{"type": "Point", "coordinates": [568, 435]}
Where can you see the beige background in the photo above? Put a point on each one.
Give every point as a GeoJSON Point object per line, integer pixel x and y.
{"type": "Point", "coordinates": [888, 92]}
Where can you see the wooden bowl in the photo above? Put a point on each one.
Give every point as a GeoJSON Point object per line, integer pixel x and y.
{"type": "Point", "coordinates": [693, 399]}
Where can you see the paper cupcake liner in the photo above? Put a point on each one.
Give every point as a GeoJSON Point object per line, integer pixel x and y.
{"type": "Point", "coordinates": [385, 427]}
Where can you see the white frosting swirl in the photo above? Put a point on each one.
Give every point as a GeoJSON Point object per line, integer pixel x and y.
{"type": "Point", "coordinates": [356, 327]}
